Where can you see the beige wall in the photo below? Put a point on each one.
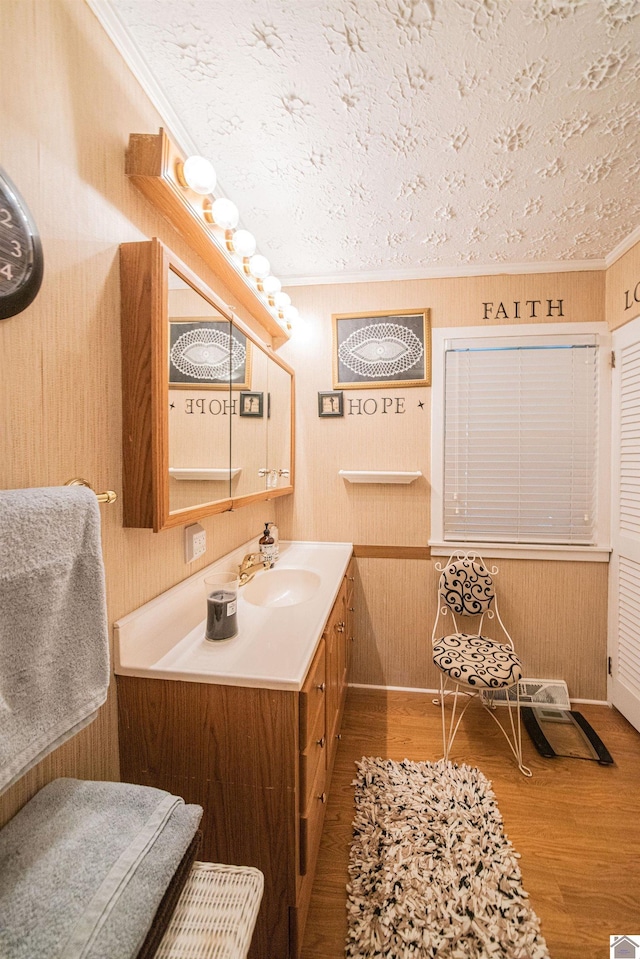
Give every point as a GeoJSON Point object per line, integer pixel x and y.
{"type": "Point", "coordinates": [557, 610]}
{"type": "Point", "coordinates": [623, 289]}
{"type": "Point", "coordinates": [65, 126]}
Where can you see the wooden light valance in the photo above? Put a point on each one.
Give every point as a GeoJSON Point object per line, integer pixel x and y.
{"type": "Point", "coordinates": [152, 161]}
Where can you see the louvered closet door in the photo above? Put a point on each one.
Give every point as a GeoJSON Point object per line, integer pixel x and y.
{"type": "Point", "coordinates": [624, 573]}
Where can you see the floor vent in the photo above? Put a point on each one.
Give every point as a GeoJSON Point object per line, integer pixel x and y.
{"type": "Point", "coordinates": [533, 692]}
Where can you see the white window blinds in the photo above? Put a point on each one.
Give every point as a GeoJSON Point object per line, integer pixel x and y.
{"type": "Point", "coordinates": [520, 447]}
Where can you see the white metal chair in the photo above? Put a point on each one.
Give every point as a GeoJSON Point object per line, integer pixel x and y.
{"type": "Point", "coordinates": [473, 664]}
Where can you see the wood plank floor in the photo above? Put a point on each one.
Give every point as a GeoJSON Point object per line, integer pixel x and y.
{"type": "Point", "coordinates": [576, 824]}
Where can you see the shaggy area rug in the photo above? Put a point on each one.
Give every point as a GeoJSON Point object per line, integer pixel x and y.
{"type": "Point", "coordinates": [431, 872]}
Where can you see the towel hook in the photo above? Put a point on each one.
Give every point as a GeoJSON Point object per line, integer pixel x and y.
{"type": "Point", "coordinates": [109, 496]}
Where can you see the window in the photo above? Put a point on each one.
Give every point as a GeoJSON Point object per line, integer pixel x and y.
{"type": "Point", "coordinates": [517, 439]}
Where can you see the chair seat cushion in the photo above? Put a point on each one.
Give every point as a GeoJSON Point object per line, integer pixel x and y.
{"type": "Point", "coordinates": [475, 661]}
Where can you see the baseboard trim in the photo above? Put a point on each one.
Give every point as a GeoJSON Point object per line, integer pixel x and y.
{"type": "Point", "coordinates": [394, 689]}
{"type": "Point", "coordinates": [417, 689]}
{"type": "Point", "coordinates": [593, 702]}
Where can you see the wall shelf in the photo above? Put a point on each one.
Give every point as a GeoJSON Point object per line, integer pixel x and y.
{"type": "Point", "coordinates": [150, 164]}
{"type": "Point", "coordinates": [379, 476]}
{"type": "Point", "coordinates": [194, 473]}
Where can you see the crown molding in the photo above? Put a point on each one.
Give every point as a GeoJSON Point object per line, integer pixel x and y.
{"type": "Point", "coordinates": [116, 32]}
{"type": "Point", "coordinates": [439, 273]}
{"type": "Point", "coordinates": [170, 121]}
{"type": "Point", "coordinates": [623, 247]}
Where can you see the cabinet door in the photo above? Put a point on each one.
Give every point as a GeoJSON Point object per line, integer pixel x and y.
{"type": "Point", "coordinates": [350, 613]}
{"type": "Point", "coordinates": [313, 694]}
{"type": "Point", "coordinates": [312, 819]}
{"type": "Point", "coordinates": [336, 663]}
{"type": "Point", "coordinates": [312, 755]}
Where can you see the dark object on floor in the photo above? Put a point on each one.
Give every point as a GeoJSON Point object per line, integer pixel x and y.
{"type": "Point", "coordinates": [564, 732]}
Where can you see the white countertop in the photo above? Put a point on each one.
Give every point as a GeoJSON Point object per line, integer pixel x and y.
{"type": "Point", "coordinates": [164, 639]}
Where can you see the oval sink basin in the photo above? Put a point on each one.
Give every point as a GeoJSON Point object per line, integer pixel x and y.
{"type": "Point", "coordinates": [281, 587]}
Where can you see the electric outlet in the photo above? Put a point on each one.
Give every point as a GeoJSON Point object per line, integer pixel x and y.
{"type": "Point", "coordinates": [195, 542]}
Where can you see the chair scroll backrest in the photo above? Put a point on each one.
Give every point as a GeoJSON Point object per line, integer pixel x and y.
{"type": "Point", "coordinates": [466, 587]}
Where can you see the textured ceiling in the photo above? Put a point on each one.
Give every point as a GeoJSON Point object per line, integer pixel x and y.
{"type": "Point", "coordinates": [409, 137]}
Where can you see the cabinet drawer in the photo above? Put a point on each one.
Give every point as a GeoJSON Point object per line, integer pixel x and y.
{"type": "Point", "coordinates": [312, 819]}
{"type": "Point", "coordinates": [313, 753]}
{"type": "Point", "coordinates": [312, 695]}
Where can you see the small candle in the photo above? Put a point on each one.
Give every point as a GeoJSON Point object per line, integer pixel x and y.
{"type": "Point", "coordinates": [222, 616]}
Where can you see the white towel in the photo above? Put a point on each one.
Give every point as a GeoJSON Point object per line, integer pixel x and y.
{"type": "Point", "coordinates": [54, 642]}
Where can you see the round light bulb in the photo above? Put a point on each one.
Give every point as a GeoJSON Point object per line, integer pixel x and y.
{"type": "Point", "coordinates": [271, 285]}
{"type": "Point", "coordinates": [225, 213]}
{"type": "Point", "coordinates": [259, 266]}
{"type": "Point", "coordinates": [291, 314]}
{"type": "Point", "coordinates": [244, 243]}
{"type": "Point", "coordinates": [199, 175]}
{"type": "Point", "coordinates": [282, 300]}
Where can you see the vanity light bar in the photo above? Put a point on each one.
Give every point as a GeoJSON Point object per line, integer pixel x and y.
{"type": "Point", "coordinates": [197, 174]}
{"type": "Point", "coordinates": [158, 169]}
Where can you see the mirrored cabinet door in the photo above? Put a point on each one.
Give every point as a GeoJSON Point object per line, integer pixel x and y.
{"type": "Point", "coordinates": [203, 356]}
{"type": "Point", "coordinates": [249, 431]}
{"type": "Point", "coordinates": [175, 391]}
{"type": "Point", "coordinates": [207, 422]}
{"type": "Point", "coordinates": [280, 428]}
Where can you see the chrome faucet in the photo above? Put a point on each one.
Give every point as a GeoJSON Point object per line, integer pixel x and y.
{"type": "Point", "coordinates": [250, 565]}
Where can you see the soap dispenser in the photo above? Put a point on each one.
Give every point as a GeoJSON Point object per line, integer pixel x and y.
{"type": "Point", "coordinates": [267, 546]}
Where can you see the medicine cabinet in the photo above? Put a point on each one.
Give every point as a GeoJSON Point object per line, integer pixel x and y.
{"type": "Point", "coordinates": [207, 409]}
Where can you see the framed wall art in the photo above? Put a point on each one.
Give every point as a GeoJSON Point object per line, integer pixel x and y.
{"type": "Point", "coordinates": [381, 349]}
{"type": "Point", "coordinates": [251, 404]}
{"type": "Point", "coordinates": [330, 404]}
{"type": "Point", "coordinates": [209, 354]}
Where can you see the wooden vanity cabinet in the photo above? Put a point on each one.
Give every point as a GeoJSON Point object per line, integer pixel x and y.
{"type": "Point", "coordinates": [339, 638]}
{"type": "Point", "coordinates": [350, 611]}
{"type": "Point", "coordinates": [258, 761]}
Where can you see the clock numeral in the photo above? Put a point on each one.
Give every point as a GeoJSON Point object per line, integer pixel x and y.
{"type": "Point", "coordinates": [5, 218]}
{"type": "Point", "coordinates": [6, 271]}
{"type": "Point", "coordinates": [17, 248]}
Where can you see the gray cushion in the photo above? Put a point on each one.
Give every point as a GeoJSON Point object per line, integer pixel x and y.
{"type": "Point", "coordinates": [476, 661]}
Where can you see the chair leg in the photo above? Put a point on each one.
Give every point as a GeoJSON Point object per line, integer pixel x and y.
{"type": "Point", "coordinates": [448, 737]}
{"type": "Point", "coordinates": [515, 741]}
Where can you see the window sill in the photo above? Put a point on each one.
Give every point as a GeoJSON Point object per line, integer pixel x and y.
{"type": "Point", "coordinates": [574, 554]}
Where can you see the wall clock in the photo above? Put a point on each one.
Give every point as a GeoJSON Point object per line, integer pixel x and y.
{"type": "Point", "coordinates": [21, 260]}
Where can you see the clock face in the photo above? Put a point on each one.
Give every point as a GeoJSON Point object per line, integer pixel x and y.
{"type": "Point", "coordinates": [21, 261]}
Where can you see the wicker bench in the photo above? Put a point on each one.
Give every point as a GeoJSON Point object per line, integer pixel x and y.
{"type": "Point", "coordinates": [215, 915]}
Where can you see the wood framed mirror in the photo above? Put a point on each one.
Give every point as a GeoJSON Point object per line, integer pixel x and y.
{"type": "Point", "coordinates": [207, 409]}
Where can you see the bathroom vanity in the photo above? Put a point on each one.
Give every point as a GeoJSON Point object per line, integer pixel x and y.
{"type": "Point", "coordinates": [248, 727]}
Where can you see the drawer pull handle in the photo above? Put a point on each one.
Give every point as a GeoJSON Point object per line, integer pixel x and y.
{"type": "Point", "coordinates": [321, 686]}
{"type": "Point", "coordinates": [340, 627]}
{"type": "Point", "coordinates": [351, 578]}
{"type": "Point", "coordinates": [321, 742]}
{"type": "Point", "coordinates": [338, 735]}
{"type": "Point", "coordinates": [322, 797]}
{"type": "Point", "coordinates": [352, 609]}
